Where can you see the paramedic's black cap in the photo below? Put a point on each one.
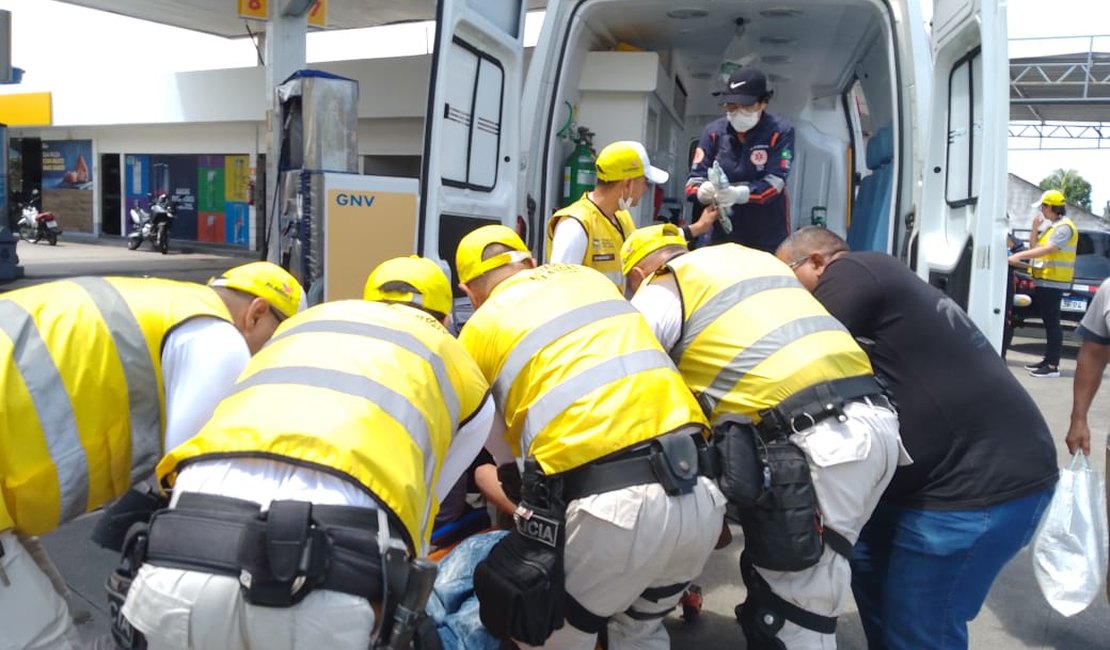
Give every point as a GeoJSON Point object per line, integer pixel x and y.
{"type": "Point", "coordinates": [745, 86]}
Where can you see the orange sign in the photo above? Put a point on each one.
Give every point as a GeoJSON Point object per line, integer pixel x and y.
{"type": "Point", "coordinates": [318, 14]}
{"type": "Point", "coordinates": [257, 9]}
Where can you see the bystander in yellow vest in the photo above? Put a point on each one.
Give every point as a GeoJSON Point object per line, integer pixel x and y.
{"type": "Point", "coordinates": [84, 406]}
{"type": "Point", "coordinates": [575, 370]}
{"type": "Point", "coordinates": [752, 335]}
{"type": "Point", "coordinates": [604, 239]}
{"type": "Point", "coordinates": [370, 391]}
{"type": "Point", "coordinates": [1058, 266]}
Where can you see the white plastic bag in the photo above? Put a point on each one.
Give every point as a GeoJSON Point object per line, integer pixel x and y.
{"type": "Point", "coordinates": [1070, 547]}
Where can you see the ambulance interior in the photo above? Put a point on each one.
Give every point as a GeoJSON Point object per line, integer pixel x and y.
{"type": "Point", "coordinates": [646, 70]}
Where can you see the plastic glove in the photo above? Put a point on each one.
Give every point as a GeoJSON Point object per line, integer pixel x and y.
{"type": "Point", "coordinates": [732, 195]}
{"type": "Point", "coordinates": [706, 191]}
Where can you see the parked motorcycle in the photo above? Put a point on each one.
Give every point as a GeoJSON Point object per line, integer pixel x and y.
{"type": "Point", "coordinates": [153, 224]}
{"type": "Point", "coordinates": [34, 226]}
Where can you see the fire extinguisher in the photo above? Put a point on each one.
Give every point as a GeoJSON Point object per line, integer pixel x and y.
{"type": "Point", "coordinates": [579, 173]}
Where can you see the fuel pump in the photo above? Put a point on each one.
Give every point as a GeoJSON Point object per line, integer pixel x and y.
{"type": "Point", "coordinates": [579, 173]}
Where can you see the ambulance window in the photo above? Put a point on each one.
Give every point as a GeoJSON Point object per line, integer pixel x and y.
{"type": "Point", "coordinates": [472, 117]}
{"type": "Point", "coordinates": [965, 122]}
{"type": "Point", "coordinates": [859, 119]}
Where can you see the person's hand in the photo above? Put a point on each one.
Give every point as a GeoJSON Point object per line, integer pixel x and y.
{"type": "Point", "coordinates": [709, 216]}
{"type": "Point", "coordinates": [1015, 262]}
{"type": "Point", "coordinates": [1038, 219]}
{"type": "Point", "coordinates": [1079, 437]}
{"type": "Point", "coordinates": [706, 192]}
{"type": "Point", "coordinates": [733, 195]}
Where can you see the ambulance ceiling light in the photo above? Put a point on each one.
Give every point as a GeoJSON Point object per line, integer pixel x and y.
{"type": "Point", "coordinates": [780, 12]}
{"type": "Point", "coordinates": [687, 13]}
{"type": "Point", "coordinates": [777, 40]}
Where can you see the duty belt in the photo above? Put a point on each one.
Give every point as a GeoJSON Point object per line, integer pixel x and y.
{"type": "Point", "coordinates": [811, 405]}
{"type": "Point", "coordinates": [278, 556]}
{"type": "Point", "coordinates": [675, 460]}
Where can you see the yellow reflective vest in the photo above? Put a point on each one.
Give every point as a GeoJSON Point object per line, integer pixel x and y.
{"type": "Point", "coordinates": [84, 406]}
{"type": "Point", "coordinates": [574, 369]}
{"type": "Point", "coordinates": [752, 335]}
{"type": "Point", "coordinates": [369, 391]}
{"type": "Point", "coordinates": [603, 238]}
{"type": "Point", "coordinates": [1058, 266]}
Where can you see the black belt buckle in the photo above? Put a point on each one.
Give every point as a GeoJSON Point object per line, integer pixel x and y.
{"type": "Point", "coordinates": [674, 459]}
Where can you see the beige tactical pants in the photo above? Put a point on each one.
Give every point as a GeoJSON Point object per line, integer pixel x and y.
{"type": "Point", "coordinates": [33, 610]}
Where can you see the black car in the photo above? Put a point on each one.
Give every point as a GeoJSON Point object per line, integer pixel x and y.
{"type": "Point", "coordinates": [1092, 266]}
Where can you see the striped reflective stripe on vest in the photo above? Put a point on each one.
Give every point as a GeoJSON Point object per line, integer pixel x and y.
{"type": "Point", "coordinates": [558, 399]}
{"type": "Point", "coordinates": [400, 339]}
{"type": "Point", "coordinates": [548, 333]}
{"type": "Point", "coordinates": [756, 353]}
{"type": "Point", "coordinates": [51, 402]}
{"type": "Point", "coordinates": [724, 300]}
{"type": "Point", "coordinates": [143, 404]}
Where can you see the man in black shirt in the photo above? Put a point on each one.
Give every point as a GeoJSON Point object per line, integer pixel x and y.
{"type": "Point", "coordinates": [984, 461]}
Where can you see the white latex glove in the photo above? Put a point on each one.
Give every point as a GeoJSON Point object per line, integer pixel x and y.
{"type": "Point", "coordinates": [706, 191]}
{"type": "Point", "coordinates": [732, 195]}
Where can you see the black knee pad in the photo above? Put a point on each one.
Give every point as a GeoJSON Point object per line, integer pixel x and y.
{"type": "Point", "coordinates": [760, 625]}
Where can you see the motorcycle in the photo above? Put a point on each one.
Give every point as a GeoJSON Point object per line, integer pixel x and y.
{"type": "Point", "coordinates": [153, 224]}
{"type": "Point", "coordinates": [34, 226]}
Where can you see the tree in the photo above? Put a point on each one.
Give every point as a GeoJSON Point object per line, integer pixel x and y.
{"type": "Point", "coordinates": [1075, 188]}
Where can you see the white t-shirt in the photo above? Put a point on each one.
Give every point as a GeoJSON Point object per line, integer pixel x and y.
{"type": "Point", "coordinates": [658, 300]}
{"type": "Point", "coordinates": [569, 243]}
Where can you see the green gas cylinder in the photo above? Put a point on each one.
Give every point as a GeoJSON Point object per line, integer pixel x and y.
{"type": "Point", "coordinates": [579, 173]}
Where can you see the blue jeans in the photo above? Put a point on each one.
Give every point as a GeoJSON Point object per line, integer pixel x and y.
{"type": "Point", "coordinates": [919, 576]}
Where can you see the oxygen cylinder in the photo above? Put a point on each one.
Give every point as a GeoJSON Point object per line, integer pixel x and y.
{"type": "Point", "coordinates": [579, 173]}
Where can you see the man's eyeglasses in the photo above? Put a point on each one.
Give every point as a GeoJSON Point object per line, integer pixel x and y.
{"type": "Point", "coordinates": [798, 262]}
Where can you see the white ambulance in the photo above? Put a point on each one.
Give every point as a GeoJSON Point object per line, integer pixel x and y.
{"type": "Point", "coordinates": [900, 126]}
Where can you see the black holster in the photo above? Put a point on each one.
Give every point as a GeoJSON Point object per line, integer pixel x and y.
{"type": "Point", "coordinates": [136, 506]}
{"type": "Point", "coordinates": [520, 585]}
{"type": "Point", "coordinates": [133, 548]}
{"type": "Point", "coordinates": [768, 484]}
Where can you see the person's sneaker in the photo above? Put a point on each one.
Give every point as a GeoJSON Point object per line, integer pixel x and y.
{"type": "Point", "coordinates": [1035, 366]}
{"type": "Point", "coordinates": [1046, 371]}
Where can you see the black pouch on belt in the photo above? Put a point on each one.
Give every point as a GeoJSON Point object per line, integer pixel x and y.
{"type": "Point", "coordinates": [782, 530]}
{"type": "Point", "coordinates": [742, 477]}
{"type": "Point", "coordinates": [520, 585]}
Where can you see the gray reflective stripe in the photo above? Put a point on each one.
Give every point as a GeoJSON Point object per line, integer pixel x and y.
{"type": "Point", "coordinates": [557, 400]}
{"type": "Point", "coordinates": [55, 412]}
{"type": "Point", "coordinates": [547, 334]}
{"type": "Point", "coordinates": [143, 406]}
{"type": "Point", "coordinates": [726, 299]}
{"type": "Point", "coordinates": [775, 182]}
{"type": "Point", "coordinates": [398, 338]}
{"type": "Point", "coordinates": [756, 353]}
{"type": "Point", "coordinates": [395, 405]}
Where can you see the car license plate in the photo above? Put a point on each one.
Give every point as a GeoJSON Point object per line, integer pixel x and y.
{"type": "Point", "coordinates": [52, 224]}
{"type": "Point", "coordinates": [1073, 304]}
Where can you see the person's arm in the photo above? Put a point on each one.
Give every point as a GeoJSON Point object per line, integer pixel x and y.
{"type": "Point", "coordinates": [661, 306]}
{"type": "Point", "coordinates": [703, 225]}
{"type": "Point", "coordinates": [704, 155]}
{"type": "Point", "coordinates": [485, 477]}
{"type": "Point", "coordinates": [1035, 230]}
{"type": "Point", "coordinates": [569, 243]}
{"type": "Point", "coordinates": [780, 158]}
{"type": "Point", "coordinates": [851, 294]}
{"type": "Point", "coordinates": [465, 447]}
{"type": "Point", "coordinates": [201, 359]}
{"type": "Point", "coordinates": [1036, 251]}
{"type": "Point", "coordinates": [1091, 363]}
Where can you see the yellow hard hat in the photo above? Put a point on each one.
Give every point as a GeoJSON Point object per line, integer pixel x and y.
{"type": "Point", "coordinates": [1054, 198]}
{"type": "Point", "coordinates": [432, 289]}
{"type": "Point", "coordinates": [645, 241]}
{"type": "Point", "coordinates": [468, 257]}
{"type": "Point", "coordinates": [627, 159]}
{"type": "Point", "coordinates": [267, 281]}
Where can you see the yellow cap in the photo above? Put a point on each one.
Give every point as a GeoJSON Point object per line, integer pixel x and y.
{"type": "Point", "coordinates": [267, 281]}
{"type": "Point", "coordinates": [1051, 197]}
{"type": "Point", "coordinates": [627, 159]}
{"type": "Point", "coordinates": [645, 241]}
{"type": "Point", "coordinates": [432, 288]}
{"type": "Point", "coordinates": [468, 257]}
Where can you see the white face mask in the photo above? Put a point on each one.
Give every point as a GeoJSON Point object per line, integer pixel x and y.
{"type": "Point", "coordinates": [624, 203]}
{"type": "Point", "coordinates": [742, 121]}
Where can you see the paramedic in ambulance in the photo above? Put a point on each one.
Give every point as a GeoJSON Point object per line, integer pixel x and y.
{"type": "Point", "coordinates": [618, 510]}
{"type": "Point", "coordinates": [99, 376]}
{"type": "Point", "coordinates": [755, 150]}
{"type": "Point", "coordinates": [301, 509]}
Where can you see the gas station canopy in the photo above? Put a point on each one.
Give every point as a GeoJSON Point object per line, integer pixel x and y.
{"type": "Point", "coordinates": [1061, 88]}
{"type": "Point", "coordinates": [221, 17]}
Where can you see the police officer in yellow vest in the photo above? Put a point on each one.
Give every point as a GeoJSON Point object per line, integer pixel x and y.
{"type": "Point", "coordinates": [590, 230]}
{"type": "Point", "coordinates": [1052, 257]}
{"type": "Point", "coordinates": [760, 352]}
{"type": "Point", "coordinates": [301, 507]}
{"type": "Point", "coordinates": [615, 496]}
{"type": "Point", "coordinates": [99, 376]}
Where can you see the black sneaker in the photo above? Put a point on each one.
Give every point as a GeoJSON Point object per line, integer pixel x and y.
{"type": "Point", "coordinates": [1035, 366]}
{"type": "Point", "coordinates": [1046, 371]}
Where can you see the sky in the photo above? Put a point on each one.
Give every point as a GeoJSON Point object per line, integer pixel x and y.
{"type": "Point", "coordinates": [84, 41]}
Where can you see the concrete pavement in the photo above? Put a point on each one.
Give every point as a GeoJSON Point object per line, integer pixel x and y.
{"type": "Point", "coordinates": [1014, 616]}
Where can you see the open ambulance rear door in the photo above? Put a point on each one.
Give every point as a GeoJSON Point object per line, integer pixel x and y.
{"type": "Point", "coordinates": [960, 242]}
{"type": "Point", "coordinates": [471, 159]}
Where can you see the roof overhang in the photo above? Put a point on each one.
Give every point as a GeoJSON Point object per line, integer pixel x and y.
{"type": "Point", "coordinates": [1060, 88]}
